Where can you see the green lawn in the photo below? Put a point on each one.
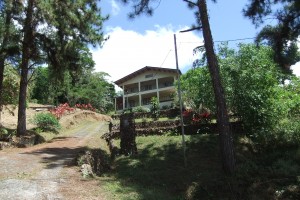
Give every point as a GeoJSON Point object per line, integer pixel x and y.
{"type": "Point", "coordinates": [158, 171]}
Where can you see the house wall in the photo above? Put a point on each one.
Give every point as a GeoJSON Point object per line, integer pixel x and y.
{"type": "Point", "coordinates": [139, 90]}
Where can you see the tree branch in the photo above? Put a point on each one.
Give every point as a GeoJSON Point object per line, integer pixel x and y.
{"type": "Point", "coordinates": [191, 29]}
{"type": "Point", "coordinates": [190, 2]}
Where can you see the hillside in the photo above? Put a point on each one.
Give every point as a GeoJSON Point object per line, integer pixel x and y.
{"type": "Point", "coordinates": [9, 116]}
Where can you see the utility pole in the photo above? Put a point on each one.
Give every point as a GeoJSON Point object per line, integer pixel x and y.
{"type": "Point", "coordinates": [180, 102]}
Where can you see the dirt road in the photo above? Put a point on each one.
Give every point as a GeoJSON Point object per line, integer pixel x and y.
{"type": "Point", "coordinates": [47, 171]}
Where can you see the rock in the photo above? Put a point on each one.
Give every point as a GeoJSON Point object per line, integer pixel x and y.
{"type": "Point", "coordinates": [4, 145]}
{"type": "Point", "coordinates": [86, 171]}
{"type": "Point", "coordinates": [23, 141]}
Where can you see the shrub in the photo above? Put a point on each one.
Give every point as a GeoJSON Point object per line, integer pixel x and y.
{"type": "Point", "coordinates": [46, 121]}
{"type": "Point", "coordinates": [141, 109]}
{"type": "Point", "coordinates": [61, 110]}
{"type": "Point", "coordinates": [155, 110]}
{"type": "Point", "coordinates": [288, 132]}
{"type": "Point", "coordinates": [3, 133]}
{"type": "Point", "coordinates": [165, 107]}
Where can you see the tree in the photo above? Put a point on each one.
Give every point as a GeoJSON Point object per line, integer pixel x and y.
{"type": "Point", "coordinates": [282, 36]}
{"type": "Point", "coordinates": [8, 37]}
{"type": "Point", "coordinates": [254, 93]}
{"type": "Point", "coordinates": [27, 50]}
{"type": "Point", "coordinates": [253, 81]}
{"type": "Point", "coordinates": [197, 88]}
{"type": "Point", "coordinates": [93, 88]}
{"type": "Point", "coordinates": [42, 87]}
{"type": "Point", "coordinates": [10, 86]}
{"type": "Point", "coordinates": [51, 29]}
{"type": "Point", "coordinates": [88, 87]}
{"type": "Point", "coordinates": [226, 138]}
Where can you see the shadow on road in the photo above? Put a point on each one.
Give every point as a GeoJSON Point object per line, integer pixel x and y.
{"type": "Point", "coordinates": [54, 157]}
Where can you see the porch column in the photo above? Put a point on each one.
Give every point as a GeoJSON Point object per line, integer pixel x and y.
{"type": "Point", "coordinates": [115, 104]}
{"type": "Point", "coordinates": [157, 92]}
{"type": "Point", "coordinates": [123, 97]}
{"type": "Point", "coordinates": [140, 97]}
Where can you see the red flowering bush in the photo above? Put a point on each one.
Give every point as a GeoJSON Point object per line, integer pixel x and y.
{"type": "Point", "coordinates": [85, 107]}
{"type": "Point", "coordinates": [192, 117]}
{"type": "Point", "coordinates": [60, 110]}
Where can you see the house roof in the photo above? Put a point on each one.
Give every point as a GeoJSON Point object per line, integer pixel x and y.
{"type": "Point", "coordinates": [145, 69]}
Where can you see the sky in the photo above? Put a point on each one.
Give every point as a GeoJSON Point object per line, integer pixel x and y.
{"type": "Point", "coordinates": [149, 40]}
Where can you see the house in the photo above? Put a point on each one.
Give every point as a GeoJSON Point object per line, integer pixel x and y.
{"type": "Point", "coordinates": [140, 86]}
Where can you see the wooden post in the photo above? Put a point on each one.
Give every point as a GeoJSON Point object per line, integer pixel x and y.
{"type": "Point", "coordinates": [128, 134]}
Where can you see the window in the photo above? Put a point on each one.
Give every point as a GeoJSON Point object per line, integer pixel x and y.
{"type": "Point", "coordinates": [149, 76]}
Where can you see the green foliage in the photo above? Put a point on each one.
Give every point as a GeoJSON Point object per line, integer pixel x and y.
{"type": "Point", "coordinates": [42, 89]}
{"type": "Point", "coordinates": [88, 88]}
{"type": "Point", "coordinates": [197, 88]}
{"type": "Point", "coordinates": [160, 162]}
{"type": "Point", "coordinates": [254, 91]}
{"type": "Point", "coordinates": [3, 131]}
{"type": "Point", "coordinates": [155, 109]}
{"type": "Point", "coordinates": [46, 121]}
{"type": "Point", "coordinates": [10, 86]}
{"type": "Point", "coordinates": [253, 77]}
{"type": "Point", "coordinates": [141, 109]}
{"type": "Point", "coordinates": [282, 35]}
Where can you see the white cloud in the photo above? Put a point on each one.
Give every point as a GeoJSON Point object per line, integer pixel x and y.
{"type": "Point", "coordinates": [115, 7]}
{"type": "Point", "coordinates": [296, 69]}
{"type": "Point", "coordinates": [127, 51]}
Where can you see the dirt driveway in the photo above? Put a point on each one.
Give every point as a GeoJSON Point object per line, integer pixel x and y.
{"type": "Point", "coordinates": [47, 171]}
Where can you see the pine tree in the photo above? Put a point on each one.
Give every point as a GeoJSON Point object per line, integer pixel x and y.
{"type": "Point", "coordinates": [8, 38]}
{"type": "Point", "coordinates": [51, 30]}
{"type": "Point", "coordinates": [282, 36]}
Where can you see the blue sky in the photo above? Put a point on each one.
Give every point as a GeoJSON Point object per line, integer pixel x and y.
{"type": "Point", "coordinates": [148, 41]}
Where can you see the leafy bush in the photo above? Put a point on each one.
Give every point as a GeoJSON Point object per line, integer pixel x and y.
{"type": "Point", "coordinates": [288, 132]}
{"type": "Point", "coordinates": [165, 107]}
{"type": "Point", "coordinates": [141, 109]}
{"type": "Point", "coordinates": [3, 133]}
{"type": "Point", "coordinates": [46, 121]}
{"type": "Point", "coordinates": [10, 86]}
{"type": "Point", "coordinates": [155, 108]}
{"type": "Point", "coordinates": [61, 110]}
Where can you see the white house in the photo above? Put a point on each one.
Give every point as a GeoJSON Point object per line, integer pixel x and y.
{"type": "Point", "coordinates": [140, 86]}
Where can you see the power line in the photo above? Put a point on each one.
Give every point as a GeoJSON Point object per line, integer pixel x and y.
{"type": "Point", "coordinates": [165, 58]}
{"type": "Point", "coordinates": [230, 40]}
{"type": "Point", "coordinates": [194, 42]}
{"type": "Point", "coordinates": [233, 40]}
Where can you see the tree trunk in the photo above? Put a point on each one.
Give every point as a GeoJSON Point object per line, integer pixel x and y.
{"type": "Point", "coordinates": [226, 139]}
{"type": "Point", "coordinates": [26, 49]}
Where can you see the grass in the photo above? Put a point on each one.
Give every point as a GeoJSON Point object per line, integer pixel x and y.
{"type": "Point", "coordinates": [151, 119]}
{"type": "Point", "coordinates": [158, 171]}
